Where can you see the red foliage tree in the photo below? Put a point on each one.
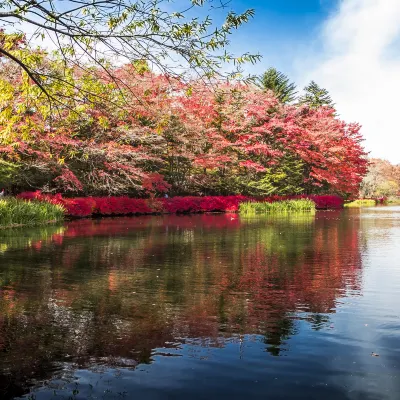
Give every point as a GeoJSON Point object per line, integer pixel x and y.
{"type": "Point", "coordinates": [165, 135]}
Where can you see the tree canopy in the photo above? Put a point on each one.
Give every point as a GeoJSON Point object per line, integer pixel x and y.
{"type": "Point", "coordinates": [382, 179]}
{"type": "Point", "coordinates": [158, 132]}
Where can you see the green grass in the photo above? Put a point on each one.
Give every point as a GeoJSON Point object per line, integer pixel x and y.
{"type": "Point", "coordinates": [285, 206]}
{"type": "Point", "coordinates": [393, 200]}
{"type": "Point", "coordinates": [15, 212]}
{"type": "Point", "coordinates": [361, 203]}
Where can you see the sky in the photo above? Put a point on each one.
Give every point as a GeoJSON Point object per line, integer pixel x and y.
{"type": "Point", "coordinates": [350, 47]}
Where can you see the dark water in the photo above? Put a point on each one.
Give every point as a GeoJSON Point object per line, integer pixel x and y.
{"type": "Point", "coordinates": [203, 307]}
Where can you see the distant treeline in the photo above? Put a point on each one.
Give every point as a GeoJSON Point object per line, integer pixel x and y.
{"type": "Point", "coordinates": [382, 179]}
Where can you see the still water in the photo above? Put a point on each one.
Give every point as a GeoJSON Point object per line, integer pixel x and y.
{"type": "Point", "coordinates": [203, 307]}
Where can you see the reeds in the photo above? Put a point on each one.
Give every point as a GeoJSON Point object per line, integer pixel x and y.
{"type": "Point", "coordinates": [285, 206]}
{"type": "Point", "coordinates": [361, 203]}
{"type": "Point", "coordinates": [16, 212]}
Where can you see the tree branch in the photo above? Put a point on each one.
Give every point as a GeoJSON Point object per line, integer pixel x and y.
{"type": "Point", "coordinates": [27, 70]}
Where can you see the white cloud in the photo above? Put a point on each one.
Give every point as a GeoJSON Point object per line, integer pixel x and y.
{"type": "Point", "coordinates": [359, 63]}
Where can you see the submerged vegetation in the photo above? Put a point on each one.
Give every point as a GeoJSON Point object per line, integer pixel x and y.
{"type": "Point", "coordinates": [17, 212]}
{"type": "Point", "coordinates": [301, 205]}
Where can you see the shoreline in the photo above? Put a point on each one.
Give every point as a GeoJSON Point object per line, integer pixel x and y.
{"type": "Point", "coordinates": [124, 205]}
{"type": "Point", "coordinates": [32, 225]}
{"type": "Point", "coordinates": [30, 206]}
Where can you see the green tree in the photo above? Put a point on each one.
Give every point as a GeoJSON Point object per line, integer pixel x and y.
{"type": "Point", "coordinates": [279, 84]}
{"type": "Point", "coordinates": [314, 96]}
{"type": "Point", "coordinates": [286, 178]}
{"type": "Point", "coordinates": [8, 172]}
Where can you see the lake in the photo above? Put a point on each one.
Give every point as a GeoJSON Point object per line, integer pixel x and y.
{"type": "Point", "coordinates": [203, 307]}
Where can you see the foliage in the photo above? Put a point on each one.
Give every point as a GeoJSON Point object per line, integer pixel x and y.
{"type": "Point", "coordinates": [154, 134]}
{"type": "Point", "coordinates": [279, 84]}
{"type": "Point", "coordinates": [381, 180]}
{"type": "Point", "coordinates": [14, 212]}
{"type": "Point", "coordinates": [361, 203]}
{"type": "Point", "coordinates": [8, 172]}
{"type": "Point", "coordinates": [254, 135]}
{"type": "Point", "coordinates": [96, 33]}
{"type": "Point", "coordinates": [300, 205]}
{"type": "Point", "coordinates": [326, 202]}
{"type": "Point", "coordinates": [286, 177]}
{"type": "Point", "coordinates": [315, 96]}
{"type": "Point", "coordinates": [393, 200]}
{"type": "Point", "coordinates": [88, 206]}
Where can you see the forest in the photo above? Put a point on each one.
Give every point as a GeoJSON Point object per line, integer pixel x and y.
{"type": "Point", "coordinates": [152, 133]}
{"type": "Point", "coordinates": [105, 111]}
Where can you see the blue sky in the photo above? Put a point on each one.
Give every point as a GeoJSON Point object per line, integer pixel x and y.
{"type": "Point", "coordinates": [280, 29]}
{"type": "Point", "coordinates": [350, 47]}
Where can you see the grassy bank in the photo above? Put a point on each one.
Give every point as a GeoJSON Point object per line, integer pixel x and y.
{"type": "Point", "coordinates": [361, 203]}
{"type": "Point", "coordinates": [285, 206]}
{"type": "Point", "coordinates": [16, 212]}
{"type": "Point", "coordinates": [393, 200]}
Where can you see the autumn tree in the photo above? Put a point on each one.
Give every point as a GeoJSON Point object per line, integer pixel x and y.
{"type": "Point", "coordinates": [382, 179]}
{"type": "Point", "coordinates": [263, 146]}
{"type": "Point", "coordinates": [162, 132]}
{"type": "Point", "coordinates": [279, 84]}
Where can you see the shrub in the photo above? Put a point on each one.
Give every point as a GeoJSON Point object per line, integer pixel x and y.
{"type": "Point", "coordinates": [87, 206]}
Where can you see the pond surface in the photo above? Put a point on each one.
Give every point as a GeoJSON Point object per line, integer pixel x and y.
{"type": "Point", "coordinates": [203, 307]}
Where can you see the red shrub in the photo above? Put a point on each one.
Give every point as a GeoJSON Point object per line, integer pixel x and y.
{"type": "Point", "coordinates": [121, 206]}
{"type": "Point", "coordinates": [28, 195]}
{"type": "Point", "coordinates": [87, 206]}
{"type": "Point", "coordinates": [328, 202]}
{"type": "Point", "coordinates": [79, 206]}
{"type": "Point", "coordinates": [182, 205]}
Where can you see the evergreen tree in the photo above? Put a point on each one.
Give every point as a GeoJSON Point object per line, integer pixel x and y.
{"type": "Point", "coordinates": [315, 96]}
{"type": "Point", "coordinates": [279, 83]}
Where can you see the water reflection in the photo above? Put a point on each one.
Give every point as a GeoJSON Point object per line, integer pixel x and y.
{"type": "Point", "coordinates": [99, 295]}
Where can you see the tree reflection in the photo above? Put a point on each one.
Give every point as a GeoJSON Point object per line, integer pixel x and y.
{"type": "Point", "coordinates": [112, 291]}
